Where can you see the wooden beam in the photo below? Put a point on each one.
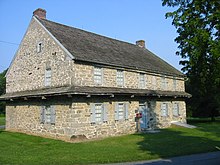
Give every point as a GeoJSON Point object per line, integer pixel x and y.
{"type": "Point", "coordinates": [112, 95]}
{"type": "Point", "coordinates": [43, 98]}
{"type": "Point", "coordinates": [69, 95]}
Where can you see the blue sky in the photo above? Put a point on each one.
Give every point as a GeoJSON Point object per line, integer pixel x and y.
{"type": "Point", "coordinates": [126, 20]}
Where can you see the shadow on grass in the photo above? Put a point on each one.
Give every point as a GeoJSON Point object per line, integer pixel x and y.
{"type": "Point", "coordinates": [182, 141]}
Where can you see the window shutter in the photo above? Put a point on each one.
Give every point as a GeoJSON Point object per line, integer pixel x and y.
{"type": "Point", "coordinates": [92, 110]}
{"type": "Point", "coordinates": [126, 107]}
{"type": "Point", "coordinates": [42, 118]}
{"type": "Point", "coordinates": [52, 114]}
{"type": "Point", "coordinates": [116, 111]}
{"type": "Point", "coordinates": [105, 112]}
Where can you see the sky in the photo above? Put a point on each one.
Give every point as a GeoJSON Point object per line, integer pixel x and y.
{"type": "Point", "coordinates": [125, 20]}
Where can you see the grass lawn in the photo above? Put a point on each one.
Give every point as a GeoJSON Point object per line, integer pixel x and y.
{"type": "Point", "coordinates": [16, 148]}
{"type": "Point", "coordinates": [2, 120]}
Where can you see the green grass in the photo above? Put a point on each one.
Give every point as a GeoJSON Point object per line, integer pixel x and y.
{"type": "Point", "coordinates": [17, 148]}
{"type": "Point", "coordinates": [2, 120]}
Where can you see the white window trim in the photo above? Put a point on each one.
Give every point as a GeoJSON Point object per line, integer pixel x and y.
{"type": "Point", "coordinates": [39, 47]}
{"type": "Point", "coordinates": [142, 86]}
{"type": "Point", "coordinates": [125, 113]}
{"type": "Point", "coordinates": [164, 83]}
{"type": "Point", "coordinates": [46, 77]}
{"type": "Point", "coordinates": [98, 83]}
{"type": "Point", "coordinates": [44, 115]}
{"type": "Point", "coordinates": [166, 110]}
{"type": "Point", "coordinates": [104, 113]}
{"type": "Point", "coordinates": [123, 76]}
{"type": "Point", "coordinates": [176, 112]}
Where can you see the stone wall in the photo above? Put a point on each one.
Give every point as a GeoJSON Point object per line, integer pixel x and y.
{"type": "Point", "coordinates": [84, 77]}
{"type": "Point", "coordinates": [27, 71]}
{"type": "Point", "coordinates": [73, 117]}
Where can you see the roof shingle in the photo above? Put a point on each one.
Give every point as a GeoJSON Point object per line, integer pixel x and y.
{"type": "Point", "coordinates": [90, 47]}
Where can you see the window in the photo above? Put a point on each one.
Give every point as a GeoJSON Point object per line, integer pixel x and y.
{"type": "Point", "coordinates": [121, 111]}
{"type": "Point", "coordinates": [48, 114]}
{"type": "Point", "coordinates": [141, 80]}
{"type": "Point", "coordinates": [39, 47]}
{"type": "Point", "coordinates": [163, 83]}
{"type": "Point", "coordinates": [164, 109]}
{"type": "Point", "coordinates": [120, 78]}
{"type": "Point", "coordinates": [174, 84]}
{"type": "Point", "coordinates": [48, 77]}
{"type": "Point", "coordinates": [98, 112]}
{"type": "Point", "coordinates": [98, 75]}
{"type": "Point", "coordinates": [154, 82]}
{"type": "Point", "coordinates": [175, 109]}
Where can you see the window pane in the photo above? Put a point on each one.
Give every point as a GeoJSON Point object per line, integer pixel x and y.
{"type": "Point", "coordinates": [98, 75]}
{"type": "Point", "coordinates": [141, 80]}
{"type": "Point", "coordinates": [120, 111]}
{"type": "Point", "coordinates": [120, 78]}
{"type": "Point", "coordinates": [175, 109]}
{"type": "Point", "coordinates": [48, 77]}
{"type": "Point", "coordinates": [98, 112]}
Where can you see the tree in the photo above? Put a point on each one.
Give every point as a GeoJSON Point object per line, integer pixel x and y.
{"type": "Point", "coordinates": [198, 25]}
{"type": "Point", "coordinates": [2, 90]}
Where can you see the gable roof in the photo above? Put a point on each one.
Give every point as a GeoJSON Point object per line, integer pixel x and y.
{"type": "Point", "coordinates": [91, 47]}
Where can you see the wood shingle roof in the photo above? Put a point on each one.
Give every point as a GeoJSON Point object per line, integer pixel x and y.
{"type": "Point", "coordinates": [90, 47]}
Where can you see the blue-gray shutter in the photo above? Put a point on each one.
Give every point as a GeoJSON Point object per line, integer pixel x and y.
{"type": "Point", "coordinates": [92, 111]}
{"type": "Point", "coordinates": [116, 111]}
{"type": "Point", "coordinates": [126, 107]}
{"type": "Point", "coordinates": [105, 112]}
{"type": "Point", "coordinates": [42, 111]}
{"type": "Point", "coordinates": [52, 114]}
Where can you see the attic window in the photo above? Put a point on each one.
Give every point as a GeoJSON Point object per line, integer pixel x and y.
{"type": "Point", "coordinates": [39, 47]}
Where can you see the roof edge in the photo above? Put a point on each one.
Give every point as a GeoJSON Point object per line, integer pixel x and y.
{"type": "Point", "coordinates": [54, 38]}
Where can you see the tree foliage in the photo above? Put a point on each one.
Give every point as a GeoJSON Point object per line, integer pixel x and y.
{"type": "Point", "coordinates": [198, 25]}
{"type": "Point", "coordinates": [2, 90]}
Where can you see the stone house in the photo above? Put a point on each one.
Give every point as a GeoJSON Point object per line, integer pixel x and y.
{"type": "Point", "coordinates": [67, 83]}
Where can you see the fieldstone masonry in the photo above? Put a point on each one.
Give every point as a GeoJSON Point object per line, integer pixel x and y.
{"type": "Point", "coordinates": [73, 118]}
{"type": "Point", "coordinates": [73, 115]}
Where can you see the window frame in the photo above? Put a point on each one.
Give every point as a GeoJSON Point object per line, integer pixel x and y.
{"type": "Point", "coordinates": [103, 113]}
{"type": "Point", "coordinates": [124, 112]}
{"type": "Point", "coordinates": [48, 79]}
{"type": "Point", "coordinates": [99, 75]}
{"type": "Point", "coordinates": [39, 47]}
{"type": "Point", "coordinates": [176, 111]}
{"type": "Point", "coordinates": [164, 112]}
{"type": "Point", "coordinates": [142, 82]}
{"type": "Point", "coordinates": [48, 112]}
{"type": "Point", "coordinates": [120, 78]}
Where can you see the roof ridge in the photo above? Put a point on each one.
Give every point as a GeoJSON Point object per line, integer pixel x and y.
{"type": "Point", "coordinates": [96, 48]}
{"type": "Point", "coordinates": [93, 33]}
